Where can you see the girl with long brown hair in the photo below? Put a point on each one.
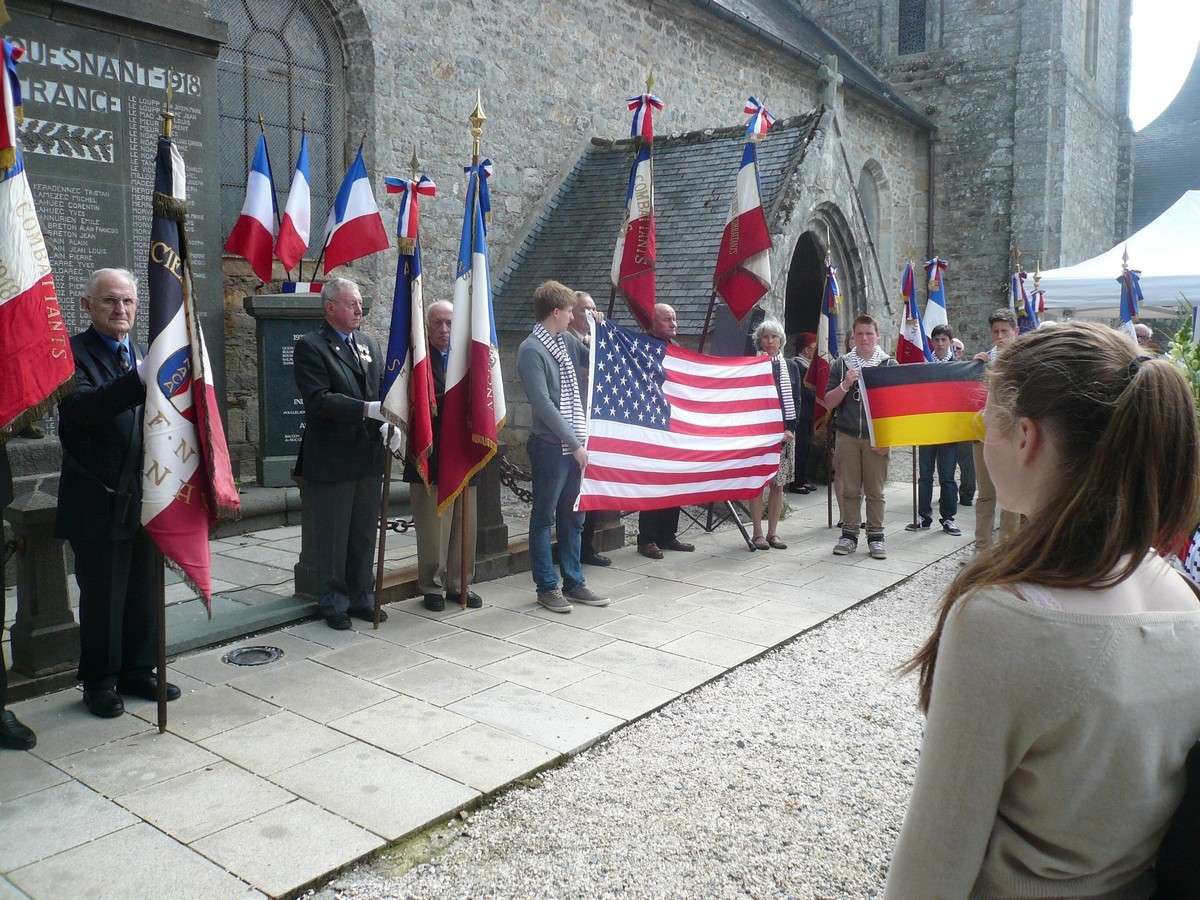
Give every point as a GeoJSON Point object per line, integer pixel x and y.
{"type": "Point", "coordinates": [1060, 680]}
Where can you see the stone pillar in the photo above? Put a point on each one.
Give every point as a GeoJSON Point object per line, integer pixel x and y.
{"type": "Point", "coordinates": [45, 635]}
{"type": "Point", "coordinates": [491, 533]}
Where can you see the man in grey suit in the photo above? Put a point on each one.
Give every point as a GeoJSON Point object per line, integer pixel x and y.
{"type": "Point", "coordinates": [338, 371]}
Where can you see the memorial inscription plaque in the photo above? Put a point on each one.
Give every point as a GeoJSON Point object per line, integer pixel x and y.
{"type": "Point", "coordinates": [93, 100]}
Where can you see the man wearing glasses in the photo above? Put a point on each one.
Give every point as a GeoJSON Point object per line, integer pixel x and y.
{"type": "Point", "coordinates": [100, 498]}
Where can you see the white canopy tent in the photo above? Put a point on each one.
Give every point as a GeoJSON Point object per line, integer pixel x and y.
{"type": "Point", "coordinates": [1166, 252]}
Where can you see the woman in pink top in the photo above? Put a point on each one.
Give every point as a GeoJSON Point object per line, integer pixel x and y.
{"type": "Point", "coordinates": [1059, 683]}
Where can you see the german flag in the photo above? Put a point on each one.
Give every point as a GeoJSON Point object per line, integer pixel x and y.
{"type": "Point", "coordinates": [924, 403]}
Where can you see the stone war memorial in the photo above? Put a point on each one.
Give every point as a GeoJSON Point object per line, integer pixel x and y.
{"type": "Point", "coordinates": [388, 398]}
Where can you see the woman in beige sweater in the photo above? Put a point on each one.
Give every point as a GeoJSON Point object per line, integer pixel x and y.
{"type": "Point", "coordinates": [1060, 681]}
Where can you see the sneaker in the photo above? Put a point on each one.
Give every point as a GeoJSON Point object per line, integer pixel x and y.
{"type": "Point", "coordinates": [875, 547]}
{"type": "Point", "coordinates": [845, 545]}
{"type": "Point", "coordinates": [554, 601]}
{"type": "Point", "coordinates": [950, 527]}
{"type": "Point", "coordinates": [581, 593]}
{"type": "Point", "coordinates": [918, 526]}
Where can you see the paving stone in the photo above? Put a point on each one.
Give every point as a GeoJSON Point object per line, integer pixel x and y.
{"type": "Point", "coordinates": [743, 628]}
{"type": "Point", "coordinates": [400, 724]}
{"type": "Point", "coordinates": [241, 571]}
{"type": "Point", "coordinates": [539, 671]}
{"type": "Point", "coordinates": [561, 640]}
{"type": "Point", "coordinates": [319, 633]}
{"type": "Point", "coordinates": [712, 648]}
{"type": "Point", "coordinates": [668, 670]}
{"type": "Point", "coordinates": [24, 773]}
{"type": "Point", "coordinates": [440, 682]}
{"type": "Point", "coordinates": [268, 555]}
{"type": "Point", "coordinates": [415, 606]}
{"type": "Point", "coordinates": [469, 649]}
{"type": "Point", "coordinates": [580, 616]}
{"type": "Point", "coordinates": [199, 803]}
{"type": "Point", "coordinates": [723, 601]}
{"type": "Point", "coordinates": [652, 606]}
{"type": "Point", "coordinates": [496, 622]}
{"type": "Point", "coordinates": [617, 695]}
{"type": "Point", "coordinates": [115, 866]}
{"type": "Point", "coordinates": [283, 532]}
{"type": "Point", "coordinates": [186, 684]}
{"type": "Point", "coordinates": [409, 630]}
{"type": "Point", "coordinates": [384, 793]}
{"type": "Point", "coordinates": [287, 847]}
{"type": "Point", "coordinates": [135, 762]}
{"type": "Point", "coordinates": [49, 821]}
{"type": "Point", "coordinates": [483, 757]}
{"type": "Point", "coordinates": [279, 742]}
{"type": "Point", "coordinates": [640, 630]}
{"type": "Point", "coordinates": [791, 572]}
{"type": "Point", "coordinates": [371, 659]}
{"type": "Point", "coordinates": [200, 714]}
{"type": "Point", "coordinates": [793, 614]}
{"type": "Point", "coordinates": [64, 726]}
{"type": "Point", "coordinates": [8, 891]}
{"type": "Point", "coordinates": [315, 691]}
{"type": "Point", "coordinates": [208, 667]}
{"type": "Point", "coordinates": [549, 721]}
{"type": "Point", "coordinates": [180, 591]}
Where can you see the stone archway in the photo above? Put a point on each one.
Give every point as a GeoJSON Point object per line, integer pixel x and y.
{"type": "Point", "coordinates": [828, 233]}
{"type": "Point", "coordinates": [805, 282]}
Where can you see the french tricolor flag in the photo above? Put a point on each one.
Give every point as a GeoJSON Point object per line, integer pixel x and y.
{"type": "Point", "coordinates": [355, 227]}
{"type": "Point", "coordinates": [743, 272]}
{"type": "Point", "coordinates": [935, 306]}
{"type": "Point", "coordinates": [253, 235]}
{"type": "Point", "coordinates": [634, 255]}
{"type": "Point", "coordinates": [296, 226]}
{"type": "Point", "coordinates": [912, 345]}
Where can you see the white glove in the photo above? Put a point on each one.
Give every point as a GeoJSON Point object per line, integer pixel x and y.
{"type": "Point", "coordinates": [393, 439]}
{"type": "Point", "coordinates": [371, 411]}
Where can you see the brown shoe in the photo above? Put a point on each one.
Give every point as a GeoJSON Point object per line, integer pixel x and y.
{"type": "Point", "coordinates": [650, 551]}
{"type": "Point", "coordinates": [680, 546]}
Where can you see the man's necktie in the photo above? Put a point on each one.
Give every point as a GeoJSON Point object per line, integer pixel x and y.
{"type": "Point", "coordinates": [122, 357]}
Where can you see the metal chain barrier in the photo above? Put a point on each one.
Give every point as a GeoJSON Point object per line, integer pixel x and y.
{"type": "Point", "coordinates": [511, 475]}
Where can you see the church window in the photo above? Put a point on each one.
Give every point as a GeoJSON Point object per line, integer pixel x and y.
{"type": "Point", "coordinates": [1091, 34]}
{"type": "Point", "coordinates": [283, 62]}
{"type": "Point", "coordinates": [912, 27]}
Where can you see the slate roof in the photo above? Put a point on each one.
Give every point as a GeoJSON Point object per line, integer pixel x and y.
{"type": "Point", "coordinates": [694, 175]}
{"type": "Point", "coordinates": [1167, 153]}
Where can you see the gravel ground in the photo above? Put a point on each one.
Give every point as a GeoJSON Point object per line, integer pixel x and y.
{"type": "Point", "coordinates": [786, 778]}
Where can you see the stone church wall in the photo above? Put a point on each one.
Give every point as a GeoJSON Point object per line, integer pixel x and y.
{"type": "Point", "coordinates": [552, 76]}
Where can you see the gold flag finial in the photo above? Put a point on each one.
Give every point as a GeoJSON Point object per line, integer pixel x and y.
{"type": "Point", "coordinates": [1016, 258]}
{"type": "Point", "coordinates": [168, 117]}
{"type": "Point", "coordinates": [477, 118]}
{"type": "Point", "coordinates": [413, 163]}
{"type": "Point", "coordinates": [650, 81]}
{"type": "Point", "coordinates": [1125, 258]}
{"type": "Point", "coordinates": [1037, 272]}
{"type": "Point", "coordinates": [4, 17]}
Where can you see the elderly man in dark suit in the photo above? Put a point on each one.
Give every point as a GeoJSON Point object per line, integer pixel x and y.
{"type": "Point", "coordinates": [338, 371]}
{"type": "Point", "coordinates": [439, 541]}
{"type": "Point", "coordinates": [13, 734]}
{"type": "Point", "coordinates": [100, 497]}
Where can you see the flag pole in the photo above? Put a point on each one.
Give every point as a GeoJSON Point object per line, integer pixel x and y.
{"type": "Point", "coordinates": [477, 118]}
{"type": "Point", "coordinates": [160, 579]}
{"type": "Point", "coordinates": [712, 301]}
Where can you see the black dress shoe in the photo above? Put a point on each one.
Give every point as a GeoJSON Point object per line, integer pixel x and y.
{"type": "Point", "coordinates": [434, 602]}
{"type": "Point", "coordinates": [14, 735]}
{"type": "Point", "coordinates": [367, 614]}
{"type": "Point", "coordinates": [105, 703]}
{"type": "Point", "coordinates": [678, 546]}
{"type": "Point", "coordinates": [595, 559]}
{"type": "Point", "coordinates": [650, 551]}
{"type": "Point", "coordinates": [967, 502]}
{"type": "Point", "coordinates": [474, 601]}
{"type": "Point", "coordinates": [145, 686]}
{"type": "Point", "coordinates": [338, 622]}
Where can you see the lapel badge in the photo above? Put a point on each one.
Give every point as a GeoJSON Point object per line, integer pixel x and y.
{"type": "Point", "coordinates": [364, 353]}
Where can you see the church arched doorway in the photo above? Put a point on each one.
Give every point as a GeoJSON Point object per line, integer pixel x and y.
{"type": "Point", "coordinates": [805, 281]}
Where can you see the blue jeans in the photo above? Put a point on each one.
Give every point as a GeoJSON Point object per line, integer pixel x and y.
{"type": "Point", "coordinates": [555, 487]}
{"type": "Point", "coordinates": [946, 456]}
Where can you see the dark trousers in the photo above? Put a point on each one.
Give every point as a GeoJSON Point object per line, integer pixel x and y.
{"type": "Point", "coordinates": [347, 513]}
{"type": "Point", "coordinates": [944, 456]}
{"type": "Point", "coordinates": [804, 439]}
{"type": "Point", "coordinates": [587, 546]}
{"type": "Point", "coordinates": [966, 468]}
{"type": "Point", "coordinates": [116, 608]}
{"type": "Point", "coordinates": [3, 673]}
{"type": "Point", "coordinates": [658, 526]}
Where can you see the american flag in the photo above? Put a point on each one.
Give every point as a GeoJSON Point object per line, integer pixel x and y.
{"type": "Point", "coordinates": [670, 427]}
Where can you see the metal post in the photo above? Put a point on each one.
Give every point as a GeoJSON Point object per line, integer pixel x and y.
{"type": "Point", "coordinates": [712, 301]}
{"type": "Point", "coordinates": [914, 481]}
{"type": "Point", "coordinates": [160, 603]}
{"type": "Point", "coordinates": [383, 518]}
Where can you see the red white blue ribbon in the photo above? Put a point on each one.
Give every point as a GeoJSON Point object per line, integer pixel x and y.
{"type": "Point", "coordinates": [643, 106]}
{"type": "Point", "coordinates": [760, 119]}
{"type": "Point", "coordinates": [933, 270]}
{"type": "Point", "coordinates": [408, 222]}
